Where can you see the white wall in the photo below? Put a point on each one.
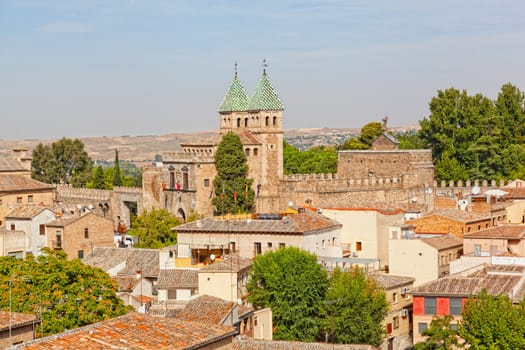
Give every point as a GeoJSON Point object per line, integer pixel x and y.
{"type": "Point", "coordinates": [413, 258]}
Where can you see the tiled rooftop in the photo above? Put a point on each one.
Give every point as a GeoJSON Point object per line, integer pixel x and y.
{"type": "Point", "coordinates": [247, 138]}
{"type": "Point", "coordinates": [443, 242]}
{"type": "Point", "coordinates": [391, 281]}
{"type": "Point", "coordinates": [247, 343]}
{"type": "Point", "coordinates": [302, 223]}
{"type": "Point", "coordinates": [178, 278]}
{"type": "Point", "coordinates": [13, 183]}
{"type": "Point", "coordinates": [228, 264]}
{"type": "Point", "coordinates": [496, 279]}
{"type": "Point", "coordinates": [134, 331]}
{"type": "Point", "coordinates": [460, 215]}
{"type": "Point", "coordinates": [512, 232]}
{"type": "Point", "coordinates": [265, 97]}
{"type": "Point", "coordinates": [25, 211]}
{"type": "Point", "coordinates": [133, 260]}
{"type": "Point", "coordinates": [17, 319]}
{"type": "Point", "coordinates": [236, 98]}
{"type": "Point", "coordinates": [10, 164]}
{"type": "Point", "coordinates": [206, 309]}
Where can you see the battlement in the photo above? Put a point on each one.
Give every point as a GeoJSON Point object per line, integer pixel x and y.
{"type": "Point", "coordinates": [67, 191]}
{"type": "Point", "coordinates": [189, 157]}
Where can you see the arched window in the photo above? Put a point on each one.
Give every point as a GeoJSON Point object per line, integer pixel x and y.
{"type": "Point", "coordinates": [185, 179]}
{"type": "Point", "coordinates": [274, 121]}
{"type": "Point", "coordinates": [245, 122]}
{"type": "Point", "coordinates": [172, 176]}
{"type": "Point", "coordinates": [247, 152]}
{"type": "Point", "coordinates": [238, 122]}
{"type": "Point", "coordinates": [255, 152]}
{"type": "Point", "coordinates": [267, 120]}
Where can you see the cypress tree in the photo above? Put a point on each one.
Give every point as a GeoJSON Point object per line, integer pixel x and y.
{"type": "Point", "coordinates": [117, 179]}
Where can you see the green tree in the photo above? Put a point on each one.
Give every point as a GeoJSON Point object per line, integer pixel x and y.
{"type": "Point", "coordinates": [65, 161]}
{"type": "Point", "coordinates": [117, 179]}
{"type": "Point", "coordinates": [493, 322]}
{"type": "Point", "coordinates": [154, 228]}
{"type": "Point", "coordinates": [409, 140]}
{"type": "Point", "coordinates": [510, 105]}
{"type": "Point", "coordinates": [67, 293]}
{"type": "Point", "coordinates": [369, 132]}
{"type": "Point", "coordinates": [97, 179]}
{"type": "Point", "coordinates": [440, 335]}
{"type": "Point", "coordinates": [316, 160]}
{"type": "Point", "coordinates": [233, 190]}
{"type": "Point", "coordinates": [354, 308]}
{"type": "Point", "coordinates": [293, 284]}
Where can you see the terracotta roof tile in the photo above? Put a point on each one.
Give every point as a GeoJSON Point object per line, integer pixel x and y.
{"type": "Point", "coordinates": [206, 309]}
{"type": "Point", "coordinates": [25, 211]}
{"type": "Point", "coordinates": [134, 331]}
{"type": "Point", "coordinates": [14, 183]}
{"type": "Point", "coordinates": [17, 319]}
{"type": "Point", "coordinates": [229, 264]}
{"type": "Point", "coordinates": [391, 281]}
{"type": "Point", "coordinates": [178, 278]}
{"type": "Point", "coordinates": [132, 260]}
{"type": "Point", "coordinates": [443, 242]}
{"type": "Point", "coordinates": [10, 164]}
{"type": "Point", "coordinates": [302, 223]}
{"type": "Point", "coordinates": [496, 279]}
{"type": "Point", "coordinates": [508, 231]}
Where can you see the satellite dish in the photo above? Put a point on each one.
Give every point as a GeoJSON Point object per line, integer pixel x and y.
{"type": "Point", "coordinates": [476, 190]}
{"type": "Point", "coordinates": [212, 257]}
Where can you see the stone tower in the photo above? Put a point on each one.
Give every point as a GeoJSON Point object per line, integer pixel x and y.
{"type": "Point", "coordinates": [259, 123]}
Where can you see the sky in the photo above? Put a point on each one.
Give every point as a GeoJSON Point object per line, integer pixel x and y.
{"type": "Point", "coordinates": [84, 68]}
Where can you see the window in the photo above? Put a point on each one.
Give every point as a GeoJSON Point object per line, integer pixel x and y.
{"type": "Point", "coordinates": [81, 254]}
{"type": "Point", "coordinates": [238, 122]}
{"type": "Point", "coordinates": [172, 176]}
{"type": "Point", "coordinates": [267, 121]}
{"type": "Point", "coordinates": [255, 152]}
{"type": "Point", "coordinates": [12, 227]}
{"type": "Point", "coordinates": [1, 202]}
{"type": "Point", "coordinates": [389, 328]}
{"type": "Point", "coordinates": [282, 245]}
{"type": "Point", "coordinates": [42, 229]}
{"type": "Point", "coordinates": [358, 246]}
{"type": "Point", "coordinates": [257, 248]}
{"type": "Point", "coordinates": [270, 245]}
{"type": "Point", "coordinates": [421, 327]}
{"type": "Point", "coordinates": [396, 322]}
{"type": "Point", "coordinates": [247, 152]}
{"type": "Point", "coordinates": [232, 247]}
{"type": "Point", "coordinates": [456, 306]}
{"type": "Point", "coordinates": [323, 244]}
{"type": "Point", "coordinates": [206, 182]}
{"type": "Point", "coordinates": [185, 178]}
{"type": "Point", "coordinates": [19, 199]}
{"type": "Point", "coordinates": [430, 306]}
{"type": "Point", "coordinates": [333, 241]}
{"type": "Point", "coordinates": [394, 298]}
{"type": "Point", "coordinates": [30, 198]}
{"type": "Point", "coordinates": [274, 121]}
{"type": "Point", "coordinates": [86, 233]}
{"type": "Point", "coordinates": [245, 122]}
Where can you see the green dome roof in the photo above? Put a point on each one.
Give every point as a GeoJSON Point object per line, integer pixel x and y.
{"type": "Point", "coordinates": [236, 99]}
{"type": "Point", "coordinates": [265, 97]}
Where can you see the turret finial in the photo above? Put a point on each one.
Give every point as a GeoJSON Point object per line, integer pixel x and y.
{"type": "Point", "coordinates": [235, 69]}
{"type": "Point", "coordinates": [264, 66]}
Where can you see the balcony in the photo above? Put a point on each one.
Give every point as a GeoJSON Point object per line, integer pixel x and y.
{"type": "Point", "coordinates": [56, 244]}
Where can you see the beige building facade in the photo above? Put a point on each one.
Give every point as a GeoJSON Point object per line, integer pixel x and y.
{"type": "Point", "coordinates": [78, 236]}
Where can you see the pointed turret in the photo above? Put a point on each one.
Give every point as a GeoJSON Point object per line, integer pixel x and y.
{"type": "Point", "coordinates": [236, 99]}
{"type": "Point", "coordinates": [265, 97]}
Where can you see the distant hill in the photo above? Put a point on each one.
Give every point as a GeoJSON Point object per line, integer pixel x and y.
{"type": "Point", "coordinates": [144, 148]}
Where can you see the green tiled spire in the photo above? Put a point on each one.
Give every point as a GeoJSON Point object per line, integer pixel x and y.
{"type": "Point", "coordinates": [236, 99]}
{"type": "Point", "coordinates": [265, 97]}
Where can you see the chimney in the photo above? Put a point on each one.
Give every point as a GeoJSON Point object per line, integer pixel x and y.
{"type": "Point", "coordinates": [21, 155]}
